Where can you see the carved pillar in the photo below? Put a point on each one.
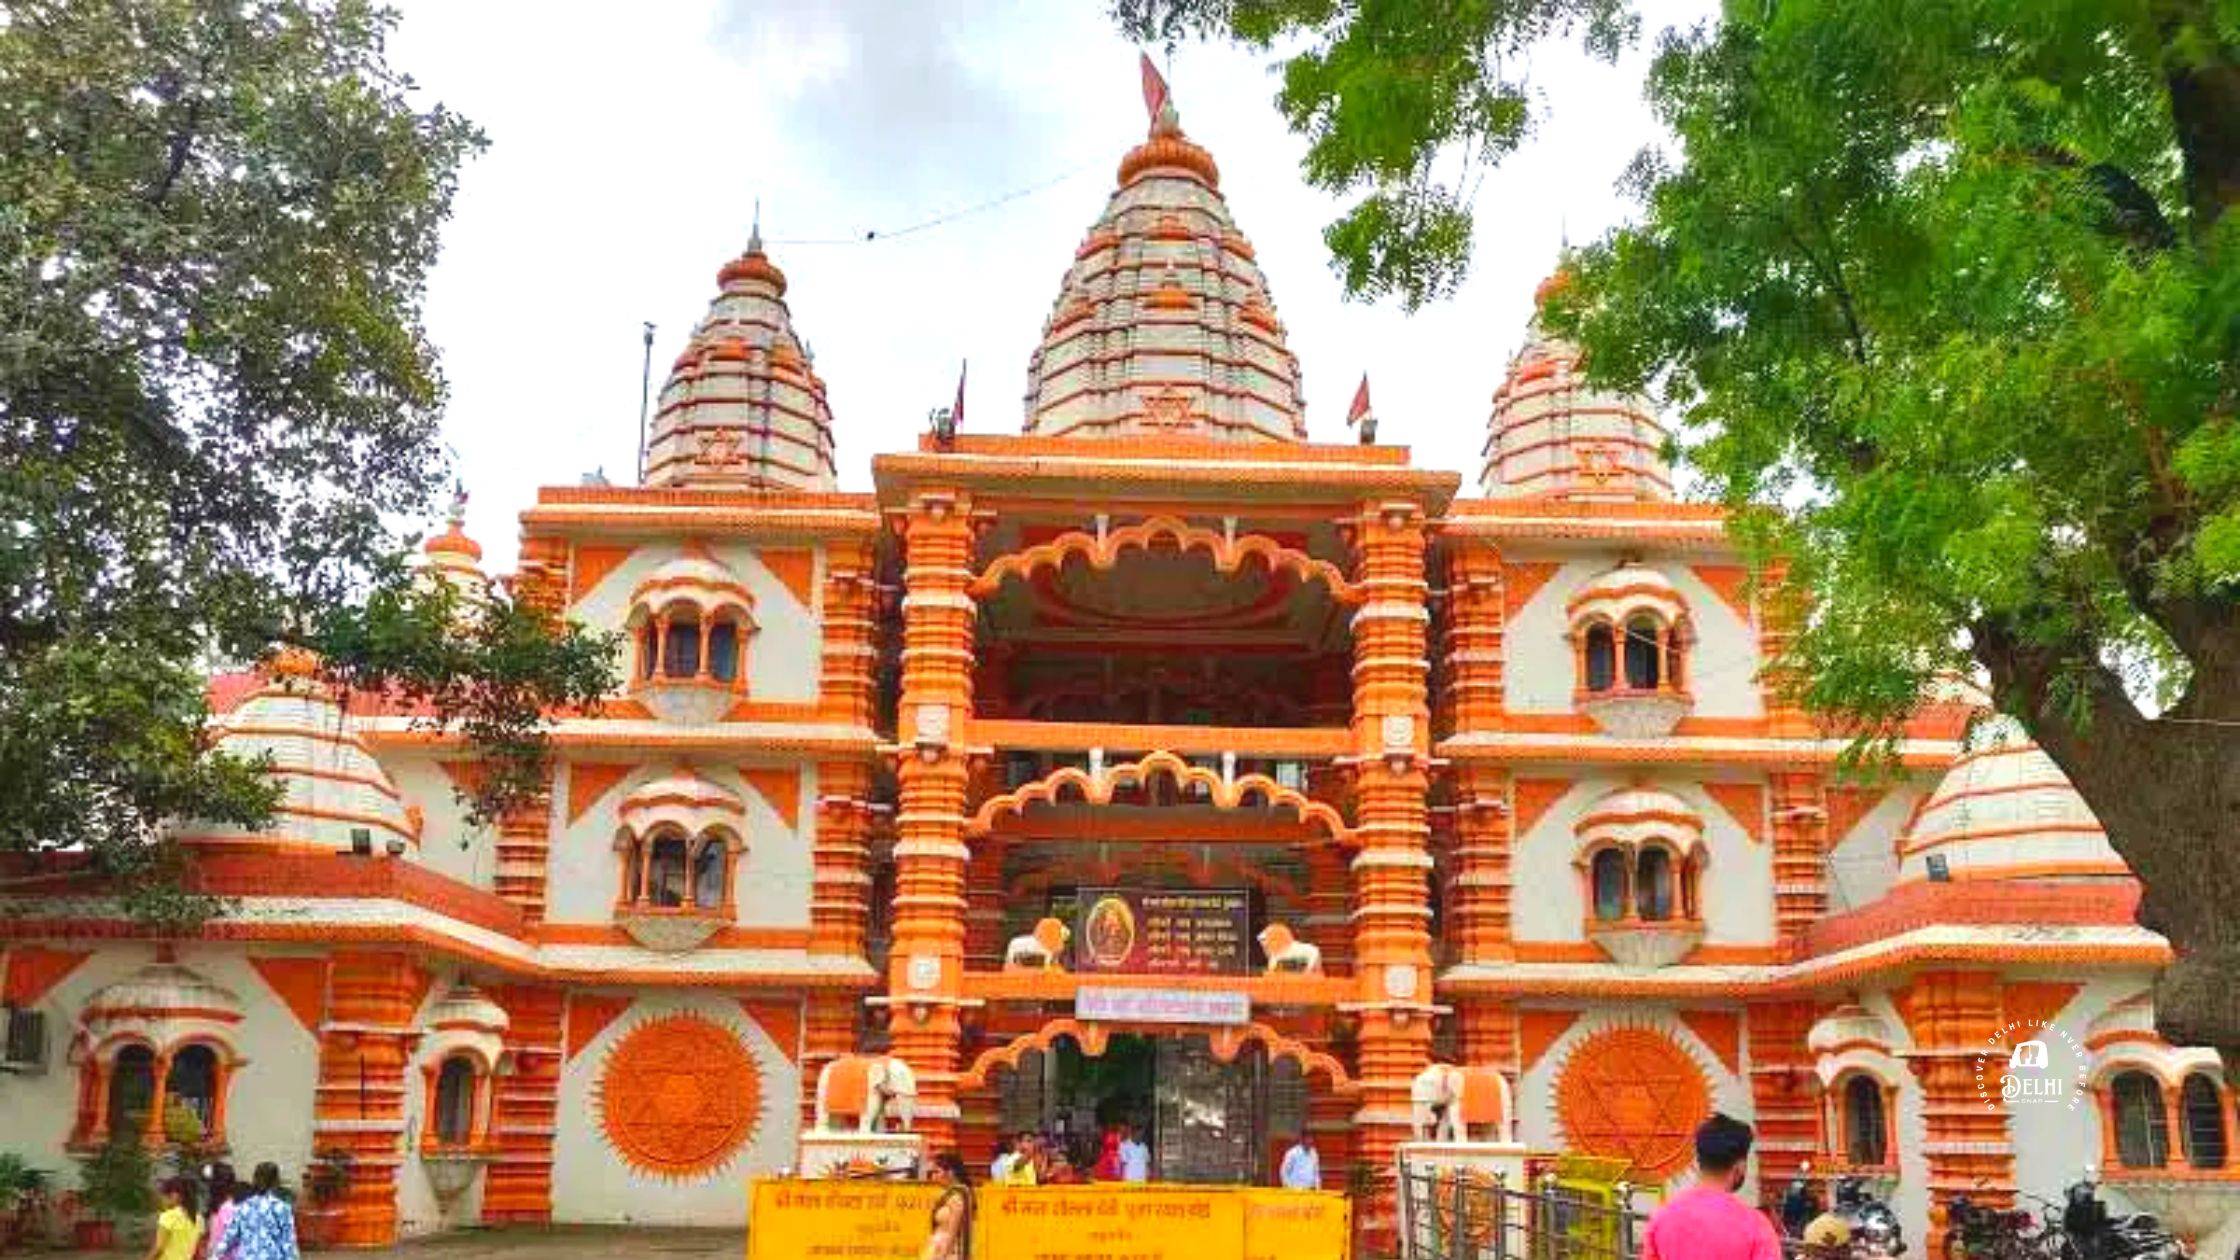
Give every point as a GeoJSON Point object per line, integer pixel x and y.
{"type": "Point", "coordinates": [1391, 730]}
{"type": "Point", "coordinates": [364, 1047]}
{"type": "Point", "coordinates": [517, 1187]}
{"type": "Point", "coordinates": [1478, 899]}
{"type": "Point", "coordinates": [1800, 846]}
{"type": "Point", "coordinates": [1489, 1034]}
{"type": "Point", "coordinates": [925, 972]}
{"type": "Point", "coordinates": [1782, 1091]}
{"type": "Point", "coordinates": [848, 689]}
{"type": "Point", "coordinates": [1477, 627]}
{"type": "Point", "coordinates": [1953, 1015]}
{"type": "Point", "coordinates": [524, 842]}
{"type": "Point", "coordinates": [840, 898]}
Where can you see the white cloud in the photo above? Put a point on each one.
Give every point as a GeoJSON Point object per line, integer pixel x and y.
{"type": "Point", "coordinates": [627, 155]}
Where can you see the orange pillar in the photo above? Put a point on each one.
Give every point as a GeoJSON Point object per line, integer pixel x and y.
{"type": "Point", "coordinates": [1391, 751]}
{"type": "Point", "coordinates": [1800, 847]}
{"type": "Point", "coordinates": [1782, 1091]}
{"type": "Point", "coordinates": [517, 1188]}
{"type": "Point", "coordinates": [840, 897]}
{"type": "Point", "coordinates": [524, 840]}
{"type": "Point", "coordinates": [364, 1047]}
{"type": "Point", "coordinates": [1953, 1015]}
{"type": "Point", "coordinates": [925, 971]}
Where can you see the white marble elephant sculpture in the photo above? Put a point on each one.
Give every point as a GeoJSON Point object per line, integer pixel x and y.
{"type": "Point", "coordinates": [870, 1089]}
{"type": "Point", "coordinates": [1447, 1103]}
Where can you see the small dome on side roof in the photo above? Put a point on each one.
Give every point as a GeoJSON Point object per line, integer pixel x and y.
{"type": "Point", "coordinates": [2005, 811]}
{"type": "Point", "coordinates": [331, 783]}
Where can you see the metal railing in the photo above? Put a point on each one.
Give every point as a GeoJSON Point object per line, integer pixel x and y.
{"type": "Point", "coordinates": [1463, 1214]}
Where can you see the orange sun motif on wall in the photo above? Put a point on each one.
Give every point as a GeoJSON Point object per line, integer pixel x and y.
{"type": "Point", "coordinates": [1633, 1094]}
{"type": "Point", "coordinates": [679, 1096]}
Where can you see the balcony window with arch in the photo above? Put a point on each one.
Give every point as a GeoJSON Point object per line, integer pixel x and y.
{"type": "Point", "coordinates": [155, 1057]}
{"type": "Point", "coordinates": [1641, 856]}
{"type": "Point", "coordinates": [1864, 1105]}
{"type": "Point", "coordinates": [1629, 630]}
{"type": "Point", "coordinates": [691, 620]}
{"type": "Point", "coordinates": [2140, 1119]}
{"type": "Point", "coordinates": [459, 1063]}
{"type": "Point", "coordinates": [681, 840]}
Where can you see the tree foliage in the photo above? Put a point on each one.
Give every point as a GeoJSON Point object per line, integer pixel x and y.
{"type": "Point", "coordinates": [217, 404]}
{"type": "Point", "coordinates": [1956, 289]}
{"type": "Point", "coordinates": [1401, 101]}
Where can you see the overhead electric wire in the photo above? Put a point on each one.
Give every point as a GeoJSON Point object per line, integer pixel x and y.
{"type": "Point", "coordinates": [874, 235]}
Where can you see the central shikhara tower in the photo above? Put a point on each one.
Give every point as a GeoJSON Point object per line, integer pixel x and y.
{"type": "Point", "coordinates": [1507, 763]}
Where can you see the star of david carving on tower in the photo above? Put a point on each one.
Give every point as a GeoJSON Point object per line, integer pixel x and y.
{"type": "Point", "coordinates": [719, 448]}
{"type": "Point", "coordinates": [1600, 464]}
{"type": "Point", "coordinates": [1168, 409]}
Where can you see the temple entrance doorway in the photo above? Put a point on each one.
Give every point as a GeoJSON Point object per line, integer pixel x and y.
{"type": "Point", "coordinates": [1207, 1122]}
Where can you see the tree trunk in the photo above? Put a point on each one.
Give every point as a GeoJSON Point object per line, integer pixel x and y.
{"type": "Point", "coordinates": [2168, 793]}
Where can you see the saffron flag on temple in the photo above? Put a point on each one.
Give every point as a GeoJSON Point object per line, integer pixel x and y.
{"type": "Point", "coordinates": [956, 413]}
{"type": "Point", "coordinates": [1359, 416]}
{"type": "Point", "coordinates": [1154, 87]}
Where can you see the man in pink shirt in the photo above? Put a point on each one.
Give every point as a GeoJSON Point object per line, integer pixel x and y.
{"type": "Point", "coordinates": [1706, 1221]}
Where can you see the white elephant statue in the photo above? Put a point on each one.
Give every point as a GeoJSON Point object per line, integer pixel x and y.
{"type": "Point", "coordinates": [1447, 1103]}
{"type": "Point", "coordinates": [872, 1089]}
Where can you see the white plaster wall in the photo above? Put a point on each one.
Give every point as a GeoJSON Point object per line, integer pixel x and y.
{"type": "Point", "coordinates": [1538, 1126]}
{"type": "Point", "coordinates": [783, 656]}
{"type": "Point", "coordinates": [771, 883]}
{"type": "Point", "coordinates": [1737, 890]}
{"type": "Point", "coordinates": [447, 844]}
{"type": "Point", "coordinates": [2053, 1143]}
{"type": "Point", "coordinates": [590, 1183]}
{"type": "Point", "coordinates": [418, 1209]}
{"type": "Point", "coordinates": [1722, 665]}
{"type": "Point", "coordinates": [1864, 864]}
{"type": "Point", "coordinates": [269, 1098]}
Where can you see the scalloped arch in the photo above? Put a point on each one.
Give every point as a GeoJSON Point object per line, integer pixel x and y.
{"type": "Point", "coordinates": [1098, 790]}
{"type": "Point", "coordinates": [1228, 552]}
{"type": "Point", "coordinates": [1227, 1043]}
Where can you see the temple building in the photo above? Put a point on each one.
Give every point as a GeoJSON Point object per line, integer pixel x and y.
{"type": "Point", "coordinates": [1328, 769]}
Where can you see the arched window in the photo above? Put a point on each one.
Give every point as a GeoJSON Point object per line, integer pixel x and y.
{"type": "Point", "coordinates": [193, 1083]}
{"type": "Point", "coordinates": [1610, 885]}
{"type": "Point", "coordinates": [1644, 653]}
{"type": "Point", "coordinates": [2202, 1105]}
{"type": "Point", "coordinates": [1866, 1131]}
{"type": "Point", "coordinates": [1652, 888]}
{"type": "Point", "coordinates": [2142, 1123]}
{"type": "Point", "coordinates": [132, 1090]}
{"type": "Point", "coordinates": [680, 652]}
{"type": "Point", "coordinates": [707, 874]}
{"type": "Point", "coordinates": [723, 651]}
{"type": "Point", "coordinates": [455, 1099]}
{"type": "Point", "coordinates": [1602, 657]}
{"type": "Point", "coordinates": [665, 872]}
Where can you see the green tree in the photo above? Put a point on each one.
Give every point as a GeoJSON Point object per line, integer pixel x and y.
{"type": "Point", "coordinates": [1955, 286]}
{"type": "Point", "coordinates": [1400, 101]}
{"type": "Point", "coordinates": [216, 403]}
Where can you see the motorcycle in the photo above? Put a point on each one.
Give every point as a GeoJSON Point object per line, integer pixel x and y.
{"type": "Point", "coordinates": [2090, 1232]}
{"type": "Point", "coordinates": [1979, 1231]}
{"type": "Point", "coordinates": [1875, 1232]}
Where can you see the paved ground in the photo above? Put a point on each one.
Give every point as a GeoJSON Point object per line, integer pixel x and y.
{"type": "Point", "coordinates": [585, 1242]}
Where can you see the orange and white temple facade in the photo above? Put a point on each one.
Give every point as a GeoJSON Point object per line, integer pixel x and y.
{"type": "Point", "coordinates": [1159, 668]}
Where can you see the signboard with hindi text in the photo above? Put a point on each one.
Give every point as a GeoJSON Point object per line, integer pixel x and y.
{"type": "Point", "coordinates": [882, 1220]}
{"type": "Point", "coordinates": [1161, 1006]}
{"type": "Point", "coordinates": [1163, 932]}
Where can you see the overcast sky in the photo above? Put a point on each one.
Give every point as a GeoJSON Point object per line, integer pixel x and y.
{"type": "Point", "coordinates": [626, 155]}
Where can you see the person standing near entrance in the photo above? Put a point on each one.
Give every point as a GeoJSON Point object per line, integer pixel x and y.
{"type": "Point", "coordinates": [1135, 1157]}
{"type": "Point", "coordinates": [1302, 1165]}
{"type": "Point", "coordinates": [1707, 1221]}
{"type": "Point", "coordinates": [1026, 1159]}
{"type": "Point", "coordinates": [951, 1238]}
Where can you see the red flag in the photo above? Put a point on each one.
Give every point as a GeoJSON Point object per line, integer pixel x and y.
{"type": "Point", "coordinates": [1154, 87]}
{"type": "Point", "coordinates": [956, 414]}
{"type": "Point", "coordinates": [1360, 409]}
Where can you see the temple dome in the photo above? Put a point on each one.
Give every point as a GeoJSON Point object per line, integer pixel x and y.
{"type": "Point", "coordinates": [1163, 325]}
{"type": "Point", "coordinates": [743, 407]}
{"type": "Point", "coordinates": [454, 559]}
{"type": "Point", "coordinates": [330, 783]}
{"type": "Point", "coordinates": [1552, 437]}
{"type": "Point", "coordinates": [2005, 811]}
